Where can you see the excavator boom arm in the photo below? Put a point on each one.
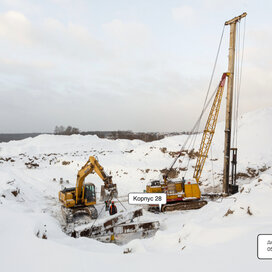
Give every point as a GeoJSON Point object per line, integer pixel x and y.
{"type": "Point", "coordinates": [91, 166]}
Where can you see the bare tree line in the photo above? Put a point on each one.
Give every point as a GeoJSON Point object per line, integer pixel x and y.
{"type": "Point", "coordinates": [119, 134]}
{"type": "Point", "coordinates": [69, 130]}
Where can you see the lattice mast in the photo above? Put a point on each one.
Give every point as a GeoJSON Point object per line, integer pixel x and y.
{"type": "Point", "coordinates": [209, 129]}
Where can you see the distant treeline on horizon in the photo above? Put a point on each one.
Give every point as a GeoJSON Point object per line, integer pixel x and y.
{"type": "Point", "coordinates": [117, 134]}
{"type": "Point", "coordinates": [114, 135]}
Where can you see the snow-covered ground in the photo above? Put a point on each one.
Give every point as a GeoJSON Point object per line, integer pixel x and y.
{"type": "Point", "coordinates": [220, 236]}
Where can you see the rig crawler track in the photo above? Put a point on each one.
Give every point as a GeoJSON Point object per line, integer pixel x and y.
{"type": "Point", "coordinates": [185, 205]}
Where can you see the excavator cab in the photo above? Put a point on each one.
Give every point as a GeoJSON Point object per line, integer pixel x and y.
{"type": "Point", "coordinates": [89, 194]}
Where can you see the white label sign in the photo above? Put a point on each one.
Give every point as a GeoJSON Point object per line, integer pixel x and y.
{"type": "Point", "coordinates": [264, 245]}
{"type": "Point", "coordinates": [147, 198]}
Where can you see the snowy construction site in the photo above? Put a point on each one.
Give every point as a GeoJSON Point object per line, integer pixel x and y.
{"type": "Point", "coordinates": [108, 200]}
{"type": "Point", "coordinates": [34, 170]}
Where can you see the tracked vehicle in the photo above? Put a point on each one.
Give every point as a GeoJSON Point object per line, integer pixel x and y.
{"type": "Point", "coordinates": [78, 202]}
{"type": "Point", "coordinates": [185, 194]}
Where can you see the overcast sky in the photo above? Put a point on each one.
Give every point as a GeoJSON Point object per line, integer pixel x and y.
{"type": "Point", "coordinates": [123, 64]}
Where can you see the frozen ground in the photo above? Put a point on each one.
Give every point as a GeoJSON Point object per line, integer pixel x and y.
{"type": "Point", "coordinates": [221, 236]}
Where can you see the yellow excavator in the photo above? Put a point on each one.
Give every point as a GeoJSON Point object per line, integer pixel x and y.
{"type": "Point", "coordinates": [185, 194]}
{"type": "Point", "coordinates": [79, 201]}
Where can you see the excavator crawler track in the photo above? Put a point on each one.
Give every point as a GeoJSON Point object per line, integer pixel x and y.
{"type": "Point", "coordinates": [79, 215]}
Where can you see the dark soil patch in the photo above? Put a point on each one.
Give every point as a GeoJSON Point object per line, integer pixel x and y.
{"type": "Point", "coordinates": [163, 149]}
{"type": "Point", "coordinates": [30, 165]}
{"type": "Point", "coordinates": [229, 212]}
{"type": "Point", "coordinates": [129, 151]}
{"type": "Point", "coordinates": [65, 163]}
{"type": "Point", "coordinates": [15, 192]}
{"type": "Point", "coordinates": [172, 174]}
{"type": "Point", "coordinates": [249, 211]}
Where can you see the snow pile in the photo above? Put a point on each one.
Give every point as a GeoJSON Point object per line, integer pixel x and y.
{"type": "Point", "coordinates": [33, 170]}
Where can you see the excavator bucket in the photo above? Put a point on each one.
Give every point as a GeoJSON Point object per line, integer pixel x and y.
{"type": "Point", "coordinates": [107, 194]}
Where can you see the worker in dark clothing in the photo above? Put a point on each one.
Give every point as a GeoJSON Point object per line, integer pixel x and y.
{"type": "Point", "coordinates": [107, 205]}
{"type": "Point", "coordinates": [113, 209]}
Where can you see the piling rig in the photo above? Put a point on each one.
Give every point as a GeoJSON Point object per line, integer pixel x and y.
{"type": "Point", "coordinates": [185, 194]}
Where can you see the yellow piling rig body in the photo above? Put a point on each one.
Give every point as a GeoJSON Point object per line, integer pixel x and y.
{"type": "Point", "coordinates": [189, 190]}
{"type": "Point", "coordinates": [175, 190]}
{"type": "Point", "coordinates": [84, 194]}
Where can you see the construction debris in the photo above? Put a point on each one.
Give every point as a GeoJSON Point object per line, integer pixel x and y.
{"type": "Point", "coordinates": [118, 229]}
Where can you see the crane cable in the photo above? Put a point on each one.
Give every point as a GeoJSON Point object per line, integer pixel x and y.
{"type": "Point", "coordinates": [197, 125]}
{"type": "Point", "coordinates": [238, 77]}
{"type": "Point", "coordinates": [96, 219]}
{"type": "Point", "coordinates": [236, 82]}
{"type": "Point", "coordinates": [205, 105]}
{"type": "Point", "coordinates": [101, 212]}
{"type": "Point", "coordinates": [240, 73]}
{"type": "Point", "coordinates": [195, 129]}
{"type": "Point", "coordinates": [212, 165]}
